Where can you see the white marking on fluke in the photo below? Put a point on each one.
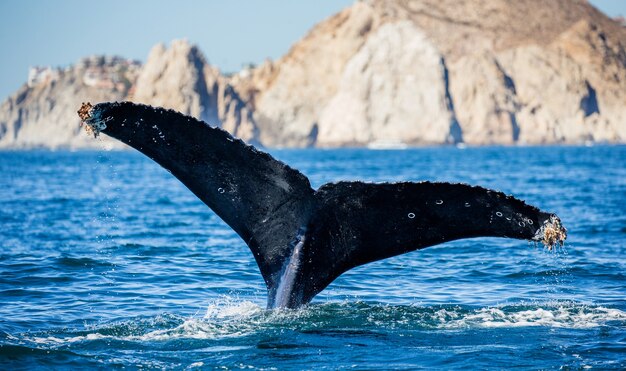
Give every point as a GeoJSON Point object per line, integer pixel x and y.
{"type": "Point", "coordinates": [288, 278]}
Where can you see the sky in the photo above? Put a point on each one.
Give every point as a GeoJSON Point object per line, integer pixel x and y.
{"type": "Point", "coordinates": [230, 33]}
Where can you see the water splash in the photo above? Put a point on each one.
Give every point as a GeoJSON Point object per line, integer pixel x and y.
{"type": "Point", "coordinates": [232, 318]}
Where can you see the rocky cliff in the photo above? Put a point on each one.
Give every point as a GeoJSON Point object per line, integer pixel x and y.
{"type": "Point", "coordinates": [41, 114]}
{"type": "Point", "coordinates": [413, 72]}
{"type": "Point", "coordinates": [180, 78]}
{"type": "Point", "coordinates": [442, 71]}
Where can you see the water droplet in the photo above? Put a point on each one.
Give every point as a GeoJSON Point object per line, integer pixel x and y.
{"type": "Point", "coordinates": [529, 221]}
{"type": "Point", "coordinates": [221, 190]}
{"type": "Point", "coordinates": [521, 224]}
{"type": "Point", "coordinates": [411, 215]}
{"type": "Point", "coordinates": [498, 213]}
{"type": "Point", "coordinates": [467, 204]}
{"type": "Point", "coordinates": [439, 202]}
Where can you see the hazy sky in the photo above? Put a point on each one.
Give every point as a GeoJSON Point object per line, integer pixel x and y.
{"type": "Point", "coordinates": [230, 33]}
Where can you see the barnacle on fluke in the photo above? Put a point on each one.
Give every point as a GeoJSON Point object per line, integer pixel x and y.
{"type": "Point", "coordinates": [552, 233]}
{"type": "Point", "coordinates": [93, 124]}
{"type": "Point", "coordinates": [84, 111]}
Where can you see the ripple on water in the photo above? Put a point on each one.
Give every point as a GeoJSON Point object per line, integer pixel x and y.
{"type": "Point", "coordinates": [105, 258]}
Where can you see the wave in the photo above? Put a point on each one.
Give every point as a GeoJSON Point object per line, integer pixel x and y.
{"type": "Point", "coordinates": [81, 262]}
{"type": "Point", "coordinates": [232, 318]}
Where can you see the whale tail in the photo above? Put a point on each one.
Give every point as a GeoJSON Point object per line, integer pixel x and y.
{"type": "Point", "coordinates": [303, 239]}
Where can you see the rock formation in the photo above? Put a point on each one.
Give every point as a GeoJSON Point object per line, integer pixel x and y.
{"type": "Point", "coordinates": [441, 71]}
{"type": "Point", "coordinates": [42, 113]}
{"type": "Point", "coordinates": [181, 79]}
{"type": "Point", "coordinates": [383, 96]}
{"type": "Point", "coordinates": [413, 72]}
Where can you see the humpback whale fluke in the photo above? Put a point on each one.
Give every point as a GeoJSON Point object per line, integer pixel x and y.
{"type": "Point", "coordinates": [302, 239]}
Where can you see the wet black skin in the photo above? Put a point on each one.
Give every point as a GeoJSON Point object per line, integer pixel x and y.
{"type": "Point", "coordinates": [273, 207]}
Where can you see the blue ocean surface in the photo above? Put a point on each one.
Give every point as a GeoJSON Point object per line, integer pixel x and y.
{"type": "Point", "coordinates": [106, 260]}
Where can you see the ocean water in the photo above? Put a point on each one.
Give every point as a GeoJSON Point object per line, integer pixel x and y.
{"type": "Point", "coordinates": [106, 260]}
